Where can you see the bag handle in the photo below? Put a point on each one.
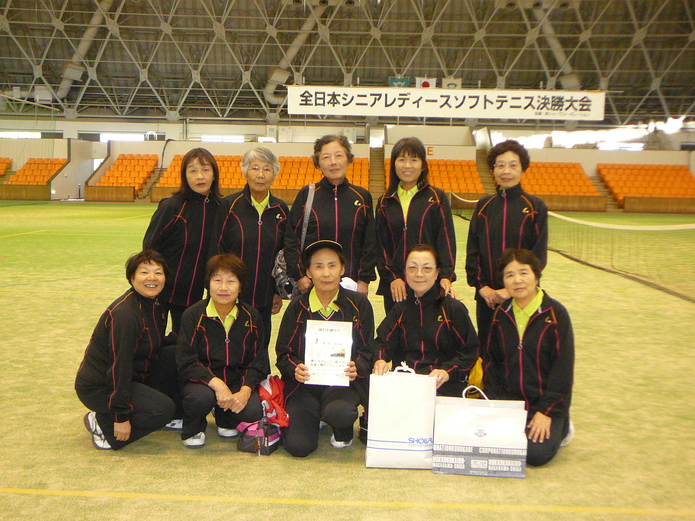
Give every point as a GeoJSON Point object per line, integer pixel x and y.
{"type": "Point", "coordinates": [307, 211]}
{"type": "Point", "coordinates": [403, 368]}
{"type": "Point", "coordinates": [474, 388]}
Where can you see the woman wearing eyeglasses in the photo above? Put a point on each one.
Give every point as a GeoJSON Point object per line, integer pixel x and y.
{"type": "Point", "coordinates": [430, 331]}
{"type": "Point", "coordinates": [509, 218]}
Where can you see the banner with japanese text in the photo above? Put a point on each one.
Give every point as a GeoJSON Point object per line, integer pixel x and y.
{"type": "Point", "coordinates": [446, 103]}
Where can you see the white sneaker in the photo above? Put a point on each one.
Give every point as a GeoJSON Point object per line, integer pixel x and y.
{"type": "Point", "coordinates": [339, 444]}
{"type": "Point", "coordinates": [91, 424]}
{"type": "Point", "coordinates": [174, 425]}
{"type": "Point", "coordinates": [195, 441]}
{"type": "Point", "coordinates": [98, 438]}
{"type": "Point", "coordinates": [227, 433]}
{"type": "Point", "coordinates": [570, 434]}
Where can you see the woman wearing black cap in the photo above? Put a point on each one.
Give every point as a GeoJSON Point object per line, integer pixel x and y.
{"type": "Point", "coordinates": [308, 404]}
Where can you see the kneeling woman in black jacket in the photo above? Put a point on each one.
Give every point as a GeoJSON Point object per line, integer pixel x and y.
{"type": "Point", "coordinates": [530, 356]}
{"type": "Point", "coordinates": [128, 376]}
{"type": "Point", "coordinates": [307, 402]}
{"type": "Point", "coordinates": [221, 355]}
{"type": "Point", "coordinates": [430, 331]}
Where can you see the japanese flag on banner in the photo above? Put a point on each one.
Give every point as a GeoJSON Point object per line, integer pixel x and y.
{"type": "Point", "coordinates": [425, 83]}
{"type": "Point", "coordinates": [451, 83]}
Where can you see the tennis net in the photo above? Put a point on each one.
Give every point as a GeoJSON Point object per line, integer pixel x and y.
{"type": "Point", "coordinates": [658, 256]}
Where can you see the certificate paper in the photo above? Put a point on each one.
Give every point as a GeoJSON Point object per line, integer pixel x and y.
{"type": "Point", "coordinates": [328, 350]}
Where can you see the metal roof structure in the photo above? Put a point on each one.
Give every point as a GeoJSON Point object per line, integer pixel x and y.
{"type": "Point", "coordinates": [228, 60]}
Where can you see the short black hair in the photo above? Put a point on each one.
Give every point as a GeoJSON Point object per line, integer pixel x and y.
{"type": "Point", "coordinates": [424, 248]}
{"type": "Point", "coordinates": [509, 146]}
{"type": "Point", "coordinates": [144, 257]}
{"type": "Point", "coordinates": [413, 147]}
{"type": "Point", "coordinates": [330, 138]}
{"type": "Point", "coordinates": [521, 256]}
{"type": "Point", "coordinates": [226, 262]}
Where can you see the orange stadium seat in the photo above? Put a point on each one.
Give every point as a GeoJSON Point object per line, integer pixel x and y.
{"type": "Point", "coordinates": [129, 170]}
{"type": "Point", "coordinates": [455, 175]}
{"type": "Point", "coordinates": [645, 180]}
{"type": "Point", "coordinates": [35, 171]}
{"type": "Point", "coordinates": [557, 178]}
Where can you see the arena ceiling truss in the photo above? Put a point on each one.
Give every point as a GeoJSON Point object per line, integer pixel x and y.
{"type": "Point", "coordinates": [228, 60]}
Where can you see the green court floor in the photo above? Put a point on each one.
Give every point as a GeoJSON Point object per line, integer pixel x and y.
{"type": "Point", "coordinates": [61, 264]}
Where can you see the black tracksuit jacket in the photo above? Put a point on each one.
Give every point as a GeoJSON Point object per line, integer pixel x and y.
{"type": "Point", "coordinates": [429, 222]}
{"type": "Point", "coordinates": [206, 350]}
{"type": "Point", "coordinates": [343, 214]}
{"type": "Point", "coordinates": [123, 349]}
{"type": "Point", "coordinates": [539, 368]}
{"type": "Point", "coordinates": [430, 332]}
{"type": "Point", "coordinates": [510, 218]}
{"type": "Point", "coordinates": [180, 230]}
{"type": "Point", "coordinates": [256, 241]}
{"type": "Point", "coordinates": [354, 308]}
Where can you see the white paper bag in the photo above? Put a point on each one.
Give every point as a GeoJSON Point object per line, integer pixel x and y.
{"type": "Point", "coordinates": [479, 437]}
{"type": "Point", "coordinates": [401, 420]}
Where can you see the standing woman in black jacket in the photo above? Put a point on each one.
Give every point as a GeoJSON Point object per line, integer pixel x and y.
{"type": "Point", "coordinates": [509, 218]}
{"type": "Point", "coordinates": [251, 224]}
{"type": "Point", "coordinates": [341, 212]}
{"type": "Point", "coordinates": [181, 229]}
{"type": "Point", "coordinates": [412, 212]}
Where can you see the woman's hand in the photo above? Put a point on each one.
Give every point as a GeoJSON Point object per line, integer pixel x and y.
{"type": "Point", "coordinates": [363, 287]}
{"type": "Point", "coordinates": [351, 371]}
{"type": "Point", "coordinates": [501, 295]}
{"type": "Point", "coordinates": [441, 375]}
{"type": "Point", "coordinates": [277, 304]}
{"type": "Point", "coordinates": [122, 430]}
{"type": "Point", "coordinates": [447, 287]}
{"type": "Point", "coordinates": [304, 284]}
{"type": "Point", "coordinates": [398, 291]}
{"type": "Point", "coordinates": [539, 427]}
{"type": "Point", "coordinates": [225, 399]}
{"type": "Point", "coordinates": [489, 295]}
{"type": "Point", "coordinates": [380, 367]}
{"type": "Point", "coordinates": [241, 398]}
{"type": "Point", "coordinates": [301, 373]}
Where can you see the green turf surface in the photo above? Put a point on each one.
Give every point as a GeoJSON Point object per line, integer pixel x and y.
{"type": "Point", "coordinates": [61, 264]}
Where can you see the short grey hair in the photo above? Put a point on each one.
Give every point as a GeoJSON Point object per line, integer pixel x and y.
{"type": "Point", "coordinates": [262, 154]}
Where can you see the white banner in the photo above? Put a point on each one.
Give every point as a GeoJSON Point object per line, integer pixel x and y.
{"type": "Point", "coordinates": [446, 103]}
